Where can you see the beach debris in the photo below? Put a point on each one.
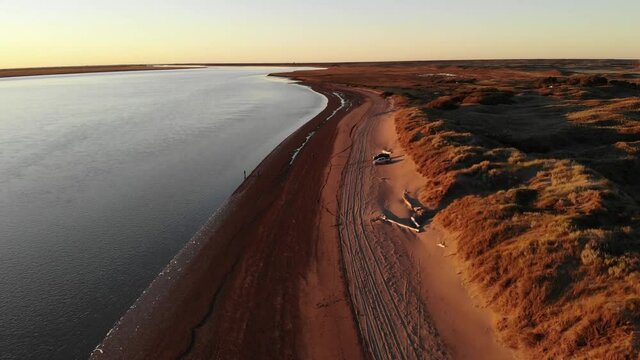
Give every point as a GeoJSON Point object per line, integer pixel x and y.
{"type": "Point", "coordinates": [384, 218]}
{"type": "Point", "coordinates": [297, 151]}
{"type": "Point", "coordinates": [419, 210]}
{"type": "Point", "coordinates": [418, 213]}
{"type": "Point", "coordinates": [442, 244]}
{"type": "Point", "coordinates": [438, 74]}
{"type": "Point", "coordinates": [343, 102]}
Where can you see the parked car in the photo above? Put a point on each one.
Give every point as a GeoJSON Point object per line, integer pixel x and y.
{"type": "Point", "coordinates": [382, 158]}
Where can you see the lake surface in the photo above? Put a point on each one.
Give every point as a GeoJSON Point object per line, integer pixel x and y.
{"type": "Point", "coordinates": [104, 177]}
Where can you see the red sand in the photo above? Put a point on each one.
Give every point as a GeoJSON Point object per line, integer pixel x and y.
{"type": "Point", "coordinates": [234, 290]}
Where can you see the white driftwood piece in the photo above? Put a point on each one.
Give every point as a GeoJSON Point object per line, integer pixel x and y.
{"type": "Point", "coordinates": [384, 218]}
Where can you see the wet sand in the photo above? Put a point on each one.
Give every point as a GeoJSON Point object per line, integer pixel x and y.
{"type": "Point", "coordinates": [233, 291]}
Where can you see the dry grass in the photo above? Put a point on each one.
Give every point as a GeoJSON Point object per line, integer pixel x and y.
{"type": "Point", "coordinates": [542, 196]}
{"type": "Point", "coordinates": [557, 254]}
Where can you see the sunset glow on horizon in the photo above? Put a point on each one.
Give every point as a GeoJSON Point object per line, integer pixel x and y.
{"type": "Point", "coordinates": [72, 32]}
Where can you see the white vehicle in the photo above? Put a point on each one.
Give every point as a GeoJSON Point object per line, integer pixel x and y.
{"type": "Point", "coordinates": [383, 157]}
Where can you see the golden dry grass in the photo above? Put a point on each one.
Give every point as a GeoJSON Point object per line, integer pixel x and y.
{"type": "Point", "coordinates": [543, 198]}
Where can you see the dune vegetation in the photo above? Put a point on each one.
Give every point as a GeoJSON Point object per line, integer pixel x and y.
{"type": "Point", "coordinates": [533, 167]}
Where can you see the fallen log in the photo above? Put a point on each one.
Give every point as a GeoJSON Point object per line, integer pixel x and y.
{"type": "Point", "coordinates": [384, 218]}
{"type": "Point", "coordinates": [419, 210]}
{"type": "Point", "coordinates": [413, 218]}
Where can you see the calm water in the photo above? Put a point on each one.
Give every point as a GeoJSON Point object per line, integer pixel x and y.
{"type": "Point", "coordinates": [103, 178]}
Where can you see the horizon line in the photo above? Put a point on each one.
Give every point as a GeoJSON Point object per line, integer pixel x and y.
{"type": "Point", "coordinates": [301, 63]}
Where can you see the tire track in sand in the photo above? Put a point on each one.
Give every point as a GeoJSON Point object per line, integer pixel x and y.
{"type": "Point", "coordinates": [389, 311]}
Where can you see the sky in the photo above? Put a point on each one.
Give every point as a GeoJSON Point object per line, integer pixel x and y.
{"type": "Point", "coordinates": [91, 32]}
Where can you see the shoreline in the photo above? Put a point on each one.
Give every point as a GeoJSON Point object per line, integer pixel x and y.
{"type": "Point", "coordinates": [90, 69]}
{"type": "Point", "coordinates": [69, 70]}
{"type": "Point", "coordinates": [278, 270]}
{"type": "Point", "coordinates": [77, 69]}
{"type": "Point", "coordinates": [175, 302]}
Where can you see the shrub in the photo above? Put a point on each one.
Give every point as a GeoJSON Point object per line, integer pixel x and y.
{"type": "Point", "coordinates": [444, 103]}
{"type": "Point", "coordinates": [489, 98]}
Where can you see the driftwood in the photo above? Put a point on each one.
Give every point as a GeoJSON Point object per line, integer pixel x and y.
{"type": "Point", "coordinates": [419, 210]}
{"type": "Point", "coordinates": [384, 218]}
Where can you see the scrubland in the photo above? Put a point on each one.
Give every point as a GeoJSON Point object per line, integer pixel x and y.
{"type": "Point", "coordinates": [533, 167]}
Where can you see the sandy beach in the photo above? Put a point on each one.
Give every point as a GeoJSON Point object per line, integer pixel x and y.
{"type": "Point", "coordinates": [292, 266]}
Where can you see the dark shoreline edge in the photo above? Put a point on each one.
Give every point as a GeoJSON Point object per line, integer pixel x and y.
{"type": "Point", "coordinates": [161, 323]}
{"type": "Point", "coordinates": [59, 70]}
{"type": "Point", "coordinates": [69, 70]}
{"type": "Point", "coordinates": [92, 69]}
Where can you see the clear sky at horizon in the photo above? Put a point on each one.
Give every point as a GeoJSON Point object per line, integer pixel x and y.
{"type": "Point", "coordinates": [75, 32]}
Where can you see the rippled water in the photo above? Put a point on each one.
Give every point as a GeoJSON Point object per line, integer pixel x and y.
{"type": "Point", "coordinates": [103, 178]}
